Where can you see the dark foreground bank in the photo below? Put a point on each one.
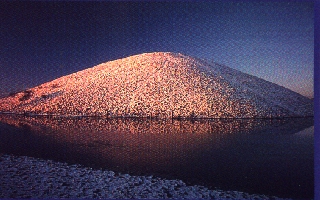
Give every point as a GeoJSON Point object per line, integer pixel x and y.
{"type": "Point", "coordinates": [26, 177]}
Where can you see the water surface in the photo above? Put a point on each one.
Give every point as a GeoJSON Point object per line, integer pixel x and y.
{"type": "Point", "coordinates": [263, 156]}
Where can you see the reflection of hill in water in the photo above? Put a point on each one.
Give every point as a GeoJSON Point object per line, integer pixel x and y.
{"type": "Point", "coordinates": [218, 151]}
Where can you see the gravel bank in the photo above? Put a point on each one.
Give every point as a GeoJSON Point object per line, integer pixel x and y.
{"type": "Point", "coordinates": [26, 177]}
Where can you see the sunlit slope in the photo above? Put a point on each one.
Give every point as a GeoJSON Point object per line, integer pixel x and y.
{"type": "Point", "coordinates": [160, 85]}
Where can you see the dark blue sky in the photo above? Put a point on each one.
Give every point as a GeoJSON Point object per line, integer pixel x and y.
{"type": "Point", "coordinates": [41, 41]}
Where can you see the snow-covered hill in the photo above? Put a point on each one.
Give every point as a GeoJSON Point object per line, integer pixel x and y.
{"type": "Point", "coordinates": [160, 84]}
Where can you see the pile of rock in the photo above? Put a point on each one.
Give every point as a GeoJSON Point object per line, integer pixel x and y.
{"type": "Point", "coordinates": [163, 85]}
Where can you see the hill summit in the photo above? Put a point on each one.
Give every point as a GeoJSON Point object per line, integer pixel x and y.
{"type": "Point", "coordinates": [163, 85]}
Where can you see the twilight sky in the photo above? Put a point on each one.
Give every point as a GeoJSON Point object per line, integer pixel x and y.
{"type": "Point", "coordinates": [41, 41]}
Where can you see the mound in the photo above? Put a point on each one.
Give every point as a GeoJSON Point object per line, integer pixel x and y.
{"type": "Point", "coordinates": [160, 85]}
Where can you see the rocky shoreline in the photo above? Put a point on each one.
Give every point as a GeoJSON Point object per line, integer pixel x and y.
{"type": "Point", "coordinates": [26, 177]}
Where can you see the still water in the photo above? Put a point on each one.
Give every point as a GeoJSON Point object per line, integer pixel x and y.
{"type": "Point", "coordinates": [263, 156]}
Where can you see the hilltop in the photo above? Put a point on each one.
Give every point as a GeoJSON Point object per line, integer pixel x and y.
{"type": "Point", "coordinates": [163, 85]}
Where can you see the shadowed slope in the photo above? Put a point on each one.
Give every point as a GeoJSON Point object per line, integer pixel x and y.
{"type": "Point", "coordinates": [160, 85]}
